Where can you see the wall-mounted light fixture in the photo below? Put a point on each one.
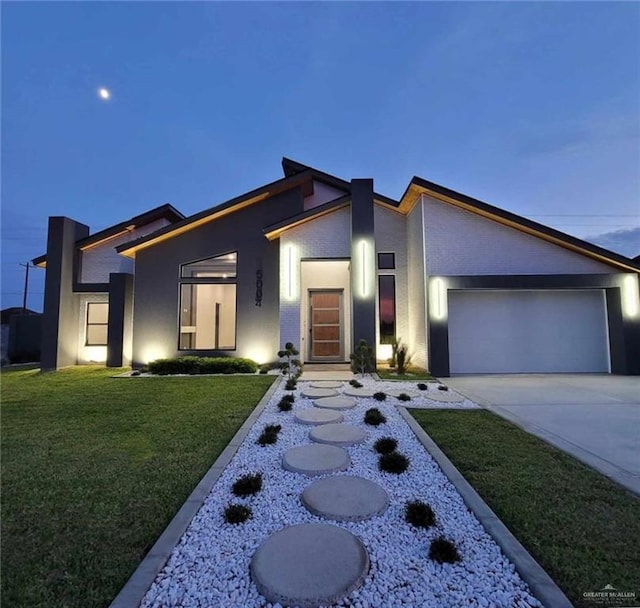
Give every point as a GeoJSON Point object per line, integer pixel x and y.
{"type": "Point", "coordinates": [438, 299]}
{"type": "Point", "coordinates": [630, 303]}
{"type": "Point", "coordinates": [290, 272]}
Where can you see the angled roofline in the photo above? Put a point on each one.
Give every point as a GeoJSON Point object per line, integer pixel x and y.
{"type": "Point", "coordinates": [212, 213]}
{"type": "Point", "coordinates": [274, 231]}
{"type": "Point", "coordinates": [166, 211]}
{"type": "Point", "coordinates": [419, 186]}
{"type": "Point", "coordinates": [293, 167]}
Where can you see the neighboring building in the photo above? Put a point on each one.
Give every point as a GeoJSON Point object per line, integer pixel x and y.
{"type": "Point", "coordinates": [322, 262]}
{"type": "Point", "coordinates": [21, 335]}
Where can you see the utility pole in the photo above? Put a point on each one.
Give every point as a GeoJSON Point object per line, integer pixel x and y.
{"type": "Point", "coordinates": [26, 286]}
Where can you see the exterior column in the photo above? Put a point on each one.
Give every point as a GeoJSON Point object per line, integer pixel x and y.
{"type": "Point", "coordinates": [60, 318]}
{"type": "Point", "coordinates": [363, 266]}
{"type": "Point", "coordinates": [120, 319]}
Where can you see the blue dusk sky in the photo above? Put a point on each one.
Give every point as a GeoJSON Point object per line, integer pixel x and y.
{"type": "Point", "coordinates": [532, 107]}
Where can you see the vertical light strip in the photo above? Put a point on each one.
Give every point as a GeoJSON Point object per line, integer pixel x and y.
{"type": "Point", "coordinates": [630, 295]}
{"type": "Point", "coordinates": [290, 269]}
{"type": "Point", "coordinates": [364, 269]}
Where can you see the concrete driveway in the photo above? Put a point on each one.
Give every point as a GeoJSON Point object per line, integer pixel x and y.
{"type": "Point", "coordinates": [595, 418]}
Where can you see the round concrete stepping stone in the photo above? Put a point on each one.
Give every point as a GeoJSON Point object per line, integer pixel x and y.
{"type": "Point", "coordinates": [358, 392]}
{"type": "Point", "coordinates": [397, 393]}
{"type": "Point", "coordinates": [326, 384]}
{"type": "Point", "coordinates": [345, 498]}
{"type": "Point", "coordinates": [338, 434]}
{"type": "Point", "coordinates": [444, 396]}
{"type": "Point", "coordinates": [309, 565]}
{"type": "Point", "coordinates": [336, 403]}
{"type": "Point", "coordinates": [318, 416]}
{"type": "Point", "coordinates": [317, 393]}
{"type": "Point", "coordinates": [315, 459]}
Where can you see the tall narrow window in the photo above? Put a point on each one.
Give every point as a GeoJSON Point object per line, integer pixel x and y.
{"type": "Point", "coordinates": [97, 323]}
{"type": "Point", "coordinates": [208, 304]}
{"type": "Point", "coordinates": [387, 308]}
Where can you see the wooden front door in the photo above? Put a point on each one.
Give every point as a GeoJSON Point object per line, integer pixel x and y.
{"type": "Point", "coordinates": [325, 314]}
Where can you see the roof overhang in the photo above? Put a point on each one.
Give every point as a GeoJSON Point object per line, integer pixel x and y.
{"type": "Point", "coordinates": [418, 187]}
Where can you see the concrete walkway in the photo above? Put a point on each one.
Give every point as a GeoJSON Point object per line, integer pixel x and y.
{"type": "Point", "coordinates": [595, 418]}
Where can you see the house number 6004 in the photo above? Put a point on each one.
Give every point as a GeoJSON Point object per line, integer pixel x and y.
{"type": "Point", "coordinates": [259, 287]}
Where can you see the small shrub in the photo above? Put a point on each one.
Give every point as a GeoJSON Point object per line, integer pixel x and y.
{"type": "Point", "coordinates": [403, 358]}
{"type": "Point", "coordinates": [442, 387]}
{"type": "Point", "coordinates": [247, 485]}
{"type": "Point", "coordinates": [291, 366]}
{"type": "Point", "coordinates": [422, 386]}
{"type": "Point", "coordinates": [404, 397]}
{"type": "Point", "coordinates": [419, 514]}
{"type": "Point", "coordinates": [236, 514]}
{"type": "Point", "coordinates": [264, 369]}
{"type": "Point", "coordinates": [269, 435]}
{"type": "Point", "coordinates": [443, 551]}
{"type": "Point", "coordinates": [136, 372]}
{"type": "Point", "coordinates": [290, 385]}
{"type": "Point", "coordinates": [395, 462]}
{"type": "Point", "coordinates": [362, 360]}
{"type": "Point", "coordinates": [374, 417]}
{"type": "Point", "coordinates": [385, 445]}
{"type": "Point", "coordinates": [379, 396]}
{"type": "Point", "coordinates": [355, 384]}
{"type": "Point", "coordinates": [285, 405]}
{"type": "Point", "coordinates": [288, 397]}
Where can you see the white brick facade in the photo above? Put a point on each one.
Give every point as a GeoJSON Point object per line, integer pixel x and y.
{"type": "Point", "coordinates": [416, 289]}
{"type": "Point", "coordinates": [459, 242]}
{"type": "Point", "coordinates": [98, 262]}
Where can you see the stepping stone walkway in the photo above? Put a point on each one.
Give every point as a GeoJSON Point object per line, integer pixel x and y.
{"type": "Point", "coordinates": [338, 434]}
{"type": "Point", "coordinates": [318, 416]}
{"type": "Point", "coordinates": [358, 392]}
{"type": "Point", "coordinates": [316, 459]}
{"type": "Point", "coordinates": [308, 565]}
{"type": "Point", "coordinates": [345, 498]}
{"type": "Point", "coordinates": [326, 384]}
{"type": "Point", "coordinates": [317, 393]}
{"type": "Point", "coordinates": [445, 396]}
{"type": "Point", "coordinates": [336, 403]}
{"type": "Point", "coordinates": [395, 393]}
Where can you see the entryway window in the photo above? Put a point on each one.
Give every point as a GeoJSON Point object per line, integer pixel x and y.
{"type": "Point", "coordinates": [208, 304]}
{"type": "Point", "coordinates": [97, 323]}
{"type": "Point", "coordinates": [387, 308]}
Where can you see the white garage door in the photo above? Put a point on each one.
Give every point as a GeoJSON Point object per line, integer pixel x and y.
{"type": "Point", "coordinates": [527, 331]}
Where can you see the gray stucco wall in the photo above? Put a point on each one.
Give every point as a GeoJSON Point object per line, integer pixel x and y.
{"type": "Point", "coordinates": [156, 282]}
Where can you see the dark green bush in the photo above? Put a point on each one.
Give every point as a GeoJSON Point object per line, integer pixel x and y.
{"type": "Point", "coordinates": [442, 387]}
{"type": "Point", "coordinates": [355, 384]}
{"type": "Point", "coordinates": [290, 385]}
{"type": "Point", "coordinates": [379, 396]}
{"type": "Point", "coordinates": [419, 514]}
{"type": "Point", "coordinates": [247, 485]}
{"type": "Point", "coordinates": [136, 372]}
{"type": "Point", "coordinates": [443, 551]}
{"type": "Point", "coordinates": [385, 445]}
{"type": "Point", "coordinates": [285, 405]}
{"type": "Point", "coordinates": [422, 386]}
{"type": "Point", "coordinates": [269, 434]}
{"type": "Point", "coordinates": [404, 397]}
{"type": "Point", "coordinates": [202, 365]}
{"type": "Point", "coordinates": [236, 514]}
{"type": "Point", "coordinates": [393, 463]}
{"type": "Point", "coordinates": [374, 417]}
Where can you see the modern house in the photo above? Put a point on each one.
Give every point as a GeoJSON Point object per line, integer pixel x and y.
{"type": "Point", "coordinates": [323, 262]}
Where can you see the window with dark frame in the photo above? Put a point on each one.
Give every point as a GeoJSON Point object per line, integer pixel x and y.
{"type": "Point", "coordinates": [208, 304]}
{"type": "Point", "coordinates": [387, 308]}
{"type": "Point", "coordinates": [97, 324]}
{"type": "Point", "coordinates": [386, 261]}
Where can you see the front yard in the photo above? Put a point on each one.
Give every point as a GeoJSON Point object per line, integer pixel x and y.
{"type": "Point", "coordinates": [579, 526]}
{"type": "Point", "coordinates": [94, 468]}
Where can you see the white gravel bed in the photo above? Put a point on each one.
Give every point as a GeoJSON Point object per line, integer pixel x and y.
{"type": "Point", "coordinates": [210, 565]}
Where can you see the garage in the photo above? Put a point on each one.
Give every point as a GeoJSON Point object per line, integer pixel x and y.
{"type": "Point", "coordinates": [528, 331]}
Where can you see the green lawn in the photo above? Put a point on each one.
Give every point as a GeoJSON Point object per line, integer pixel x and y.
{"type": "Point", "coordinates": [581, 528]}
{"type": "Point", "coordinates": [94, 468]}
